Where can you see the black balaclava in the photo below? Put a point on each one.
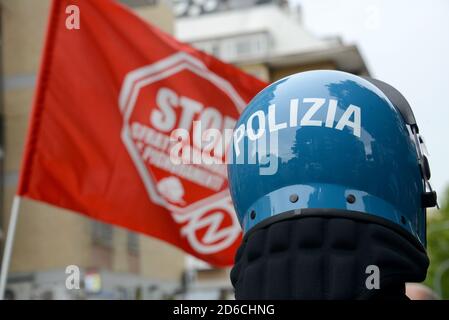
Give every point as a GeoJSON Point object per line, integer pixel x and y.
{"type": "Point", "coordinates": [324, 254]}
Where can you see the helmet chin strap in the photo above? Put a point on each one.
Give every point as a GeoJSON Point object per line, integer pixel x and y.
{"type": "Point", "coordinates": [325, 255]}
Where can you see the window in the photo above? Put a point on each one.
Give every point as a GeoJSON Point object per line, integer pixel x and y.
{"type": "Point", "coordinates": [102, 234]}
{"type": "Point", "coordinates": [133, 242]}
{"type": "Point", "coordinates": [241, 47]}
{"type": "Point", "coordinates": [245, 47]}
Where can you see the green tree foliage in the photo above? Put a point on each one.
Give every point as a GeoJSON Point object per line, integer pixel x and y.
{"type": "Point", "coordinates": [438, 248]}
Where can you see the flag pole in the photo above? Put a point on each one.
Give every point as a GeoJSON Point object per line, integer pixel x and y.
{"type": "Point", "coordinates": [8, 245]}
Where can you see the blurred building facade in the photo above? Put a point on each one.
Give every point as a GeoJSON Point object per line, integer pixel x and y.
{"type": "Point", "coordinates": [263, 37]}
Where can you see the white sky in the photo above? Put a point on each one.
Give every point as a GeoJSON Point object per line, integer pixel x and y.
{"type": "Point", "coordinates": [404, 43]}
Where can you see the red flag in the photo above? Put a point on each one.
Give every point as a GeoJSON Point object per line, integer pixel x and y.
{"type": "Point", "coordinates": [108, 98]}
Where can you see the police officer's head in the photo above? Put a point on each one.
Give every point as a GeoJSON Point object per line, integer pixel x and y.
{"type": "Point", "coordinates": [328, 175]}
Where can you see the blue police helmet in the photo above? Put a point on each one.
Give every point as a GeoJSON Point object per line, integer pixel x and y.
{"type": "Point", "coordinates": [334, 141]}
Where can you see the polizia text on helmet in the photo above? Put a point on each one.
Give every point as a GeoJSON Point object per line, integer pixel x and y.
{"type": "Point", "coordinates": [350, 118]}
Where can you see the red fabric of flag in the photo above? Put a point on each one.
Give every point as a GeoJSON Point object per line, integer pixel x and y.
{"type": "Point", "coordinates": [109, 96]}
